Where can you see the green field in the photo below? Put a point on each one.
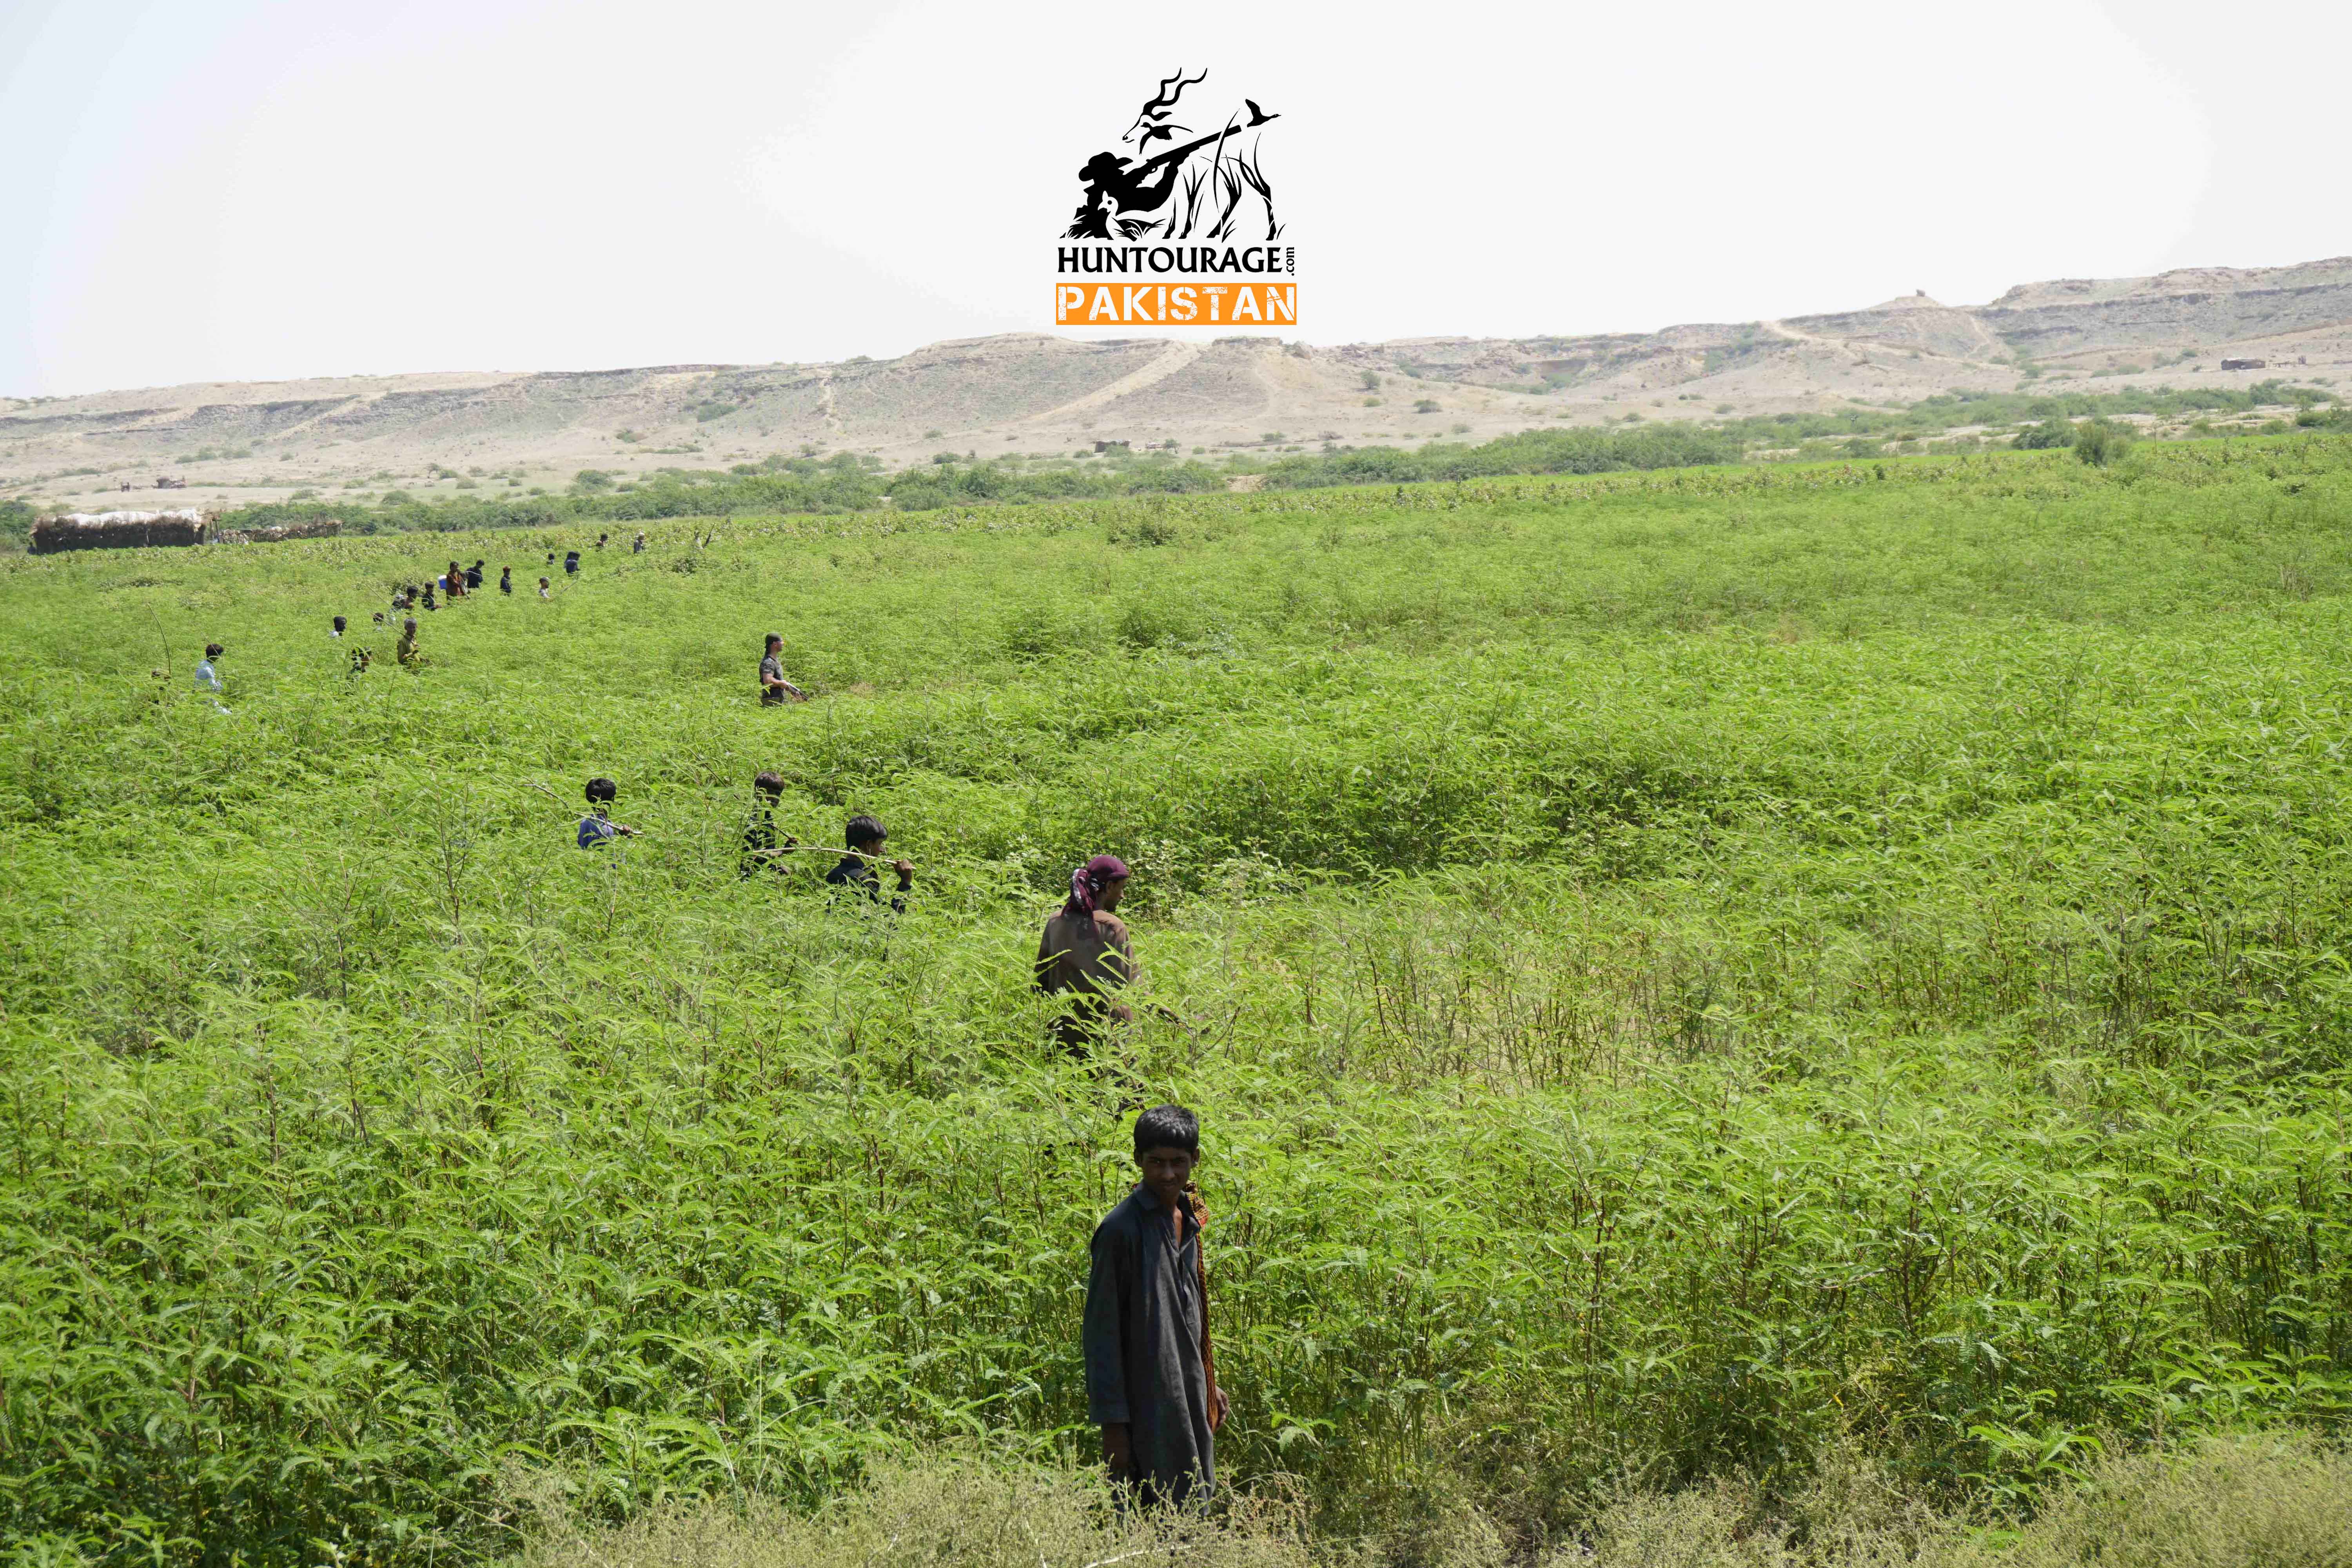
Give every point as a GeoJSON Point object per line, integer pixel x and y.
{"type": "Point", "coordinates": [1682, 974]}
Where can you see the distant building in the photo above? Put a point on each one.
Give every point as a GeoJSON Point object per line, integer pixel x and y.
{"type": "Point", "coordinates": [2245, 364]}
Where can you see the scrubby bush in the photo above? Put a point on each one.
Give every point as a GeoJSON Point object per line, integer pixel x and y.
{"type": "Point", "coordinates": [2100, 442]}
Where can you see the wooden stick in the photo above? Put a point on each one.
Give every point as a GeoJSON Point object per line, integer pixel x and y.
{"type": "Point", "coordinates": [824, 849]}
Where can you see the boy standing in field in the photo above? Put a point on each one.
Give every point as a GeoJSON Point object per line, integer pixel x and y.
{"type": "Point", "coordinates": [1151, 1373]}
{"type": "Point", "coordinates": [598, 828]}
{"type": "Point", "coordinates": [209, 680]}
{"type": "Point", "coordinates": [404, 650]}
{"type": "Point", "coordinates": [855, 872]}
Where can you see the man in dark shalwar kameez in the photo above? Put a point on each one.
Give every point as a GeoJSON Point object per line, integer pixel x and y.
{"type": "Point", "coordinates": [1151, 1375]}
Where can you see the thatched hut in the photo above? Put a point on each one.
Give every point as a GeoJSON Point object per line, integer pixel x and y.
{"type": "Point", "coordinates": [118, 529]}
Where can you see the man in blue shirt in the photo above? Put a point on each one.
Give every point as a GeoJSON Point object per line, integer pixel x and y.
{"type": "Point", "coordinates": [208, 680]}
{"type": "Point", "coordinates": [598, 828]}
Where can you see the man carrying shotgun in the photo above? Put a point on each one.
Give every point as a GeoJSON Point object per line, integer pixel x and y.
{"type": "Point", "coordinates": [1151, 1371]}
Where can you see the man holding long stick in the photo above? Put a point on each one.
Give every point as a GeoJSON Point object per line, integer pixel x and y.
{"type": "Point", "coordinates": [855, 871]}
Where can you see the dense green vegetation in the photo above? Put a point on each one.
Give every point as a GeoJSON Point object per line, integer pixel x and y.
{"type": "Point", "coordinates": [845, 482]}
{"type": "Point", "coordinates": [1682, 973]}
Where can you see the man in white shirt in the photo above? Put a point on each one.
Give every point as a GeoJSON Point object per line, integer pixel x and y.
{"type": "Point", "coordinates": [208, 677]}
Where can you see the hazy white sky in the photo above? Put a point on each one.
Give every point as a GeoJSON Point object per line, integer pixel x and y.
{"type": "Point", "coordinates": [240, 189]}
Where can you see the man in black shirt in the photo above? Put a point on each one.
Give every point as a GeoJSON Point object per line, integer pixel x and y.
{"type": "Point", "coordinates": [761, 846]}
{"type": "Point", "coordinates": [505, 579]}
{"type": "Point", "coordinates": [472, 576]}
{"type": "Point", "coordinates": [857, 870]}
{"type": "Point", "coordinates": [572, 564]}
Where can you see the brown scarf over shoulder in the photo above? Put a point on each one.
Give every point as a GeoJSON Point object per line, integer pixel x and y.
{"type": "Point", "coordinates": [1201, 1256]}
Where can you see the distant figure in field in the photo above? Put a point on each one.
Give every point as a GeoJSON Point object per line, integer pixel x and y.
{"type": "Point", "coordinates": [761, 844]}
{"type": "Point", "coordinates": [209, 680]}
{"type": "Point", "coordinates": [472, 576]}
{"type": "Point", "coordinates": [428, 597]}
{"type": "Point", "coordinates": [360, 659]}
{"type": "Point", "coordinates": [505, 579]}
{"type": "Point", "coordinates": [551, 560]}
{"type": "Point", "coordinates": [773, 687]}
{"type": "Point", "coordinates": [457, 580]}
{"type": "Point", "coordinates": [639, 547]}
{"type": "Point", "coordinates": [402, 598]}
{"type": "Point", "coordinates": [600, 539]}
{"type": "Point", "coordinates": [543, 589]}
{"type": "Point", "coordinates": [339, 625]}
{"type": "Point", "coordinates": [598, 828]}
{"type": "Point", "coordinates": [572, 564]}
{"type": "Point", "coordinates": [405, 650]}
{"type": "Point", "coordinates": [855, 872]}
{"type": "Point", "coordinates": [1151, 1368]}
{"type": "Point", "coordinates": [1086, 955]}
{"type": "Point", "coordinates": [379, 618]}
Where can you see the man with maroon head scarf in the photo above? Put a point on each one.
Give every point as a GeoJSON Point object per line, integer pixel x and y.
{"type": "Point", "coordinates": [1086, 956]}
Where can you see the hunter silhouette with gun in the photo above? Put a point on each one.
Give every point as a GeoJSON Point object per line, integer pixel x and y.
{"type": "Point", "coordinates": [1125, 196]}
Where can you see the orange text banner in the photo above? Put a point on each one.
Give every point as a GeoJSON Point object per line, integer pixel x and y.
{"type": "Point", "coordinates": [1175, 304]}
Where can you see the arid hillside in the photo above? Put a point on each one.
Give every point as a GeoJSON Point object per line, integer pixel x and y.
{"type": "Point", "coordinates": [239, 442]}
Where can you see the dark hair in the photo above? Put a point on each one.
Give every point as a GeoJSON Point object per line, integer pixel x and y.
{"type": "Point", "coordinates": [601, 789]}
{"type": "Point", "coordinates": [339, 623]}
{"type": "Point", "coordinates": [863, 829]}
{"type": "Point", "coordinates": [775, 639]}
{"type": "Point", "coordinates": [773, 784]}
{"type": "Point", "coordinates": [1167, 1127]}
{"type": "Point", "coordinates": [214, 650]}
